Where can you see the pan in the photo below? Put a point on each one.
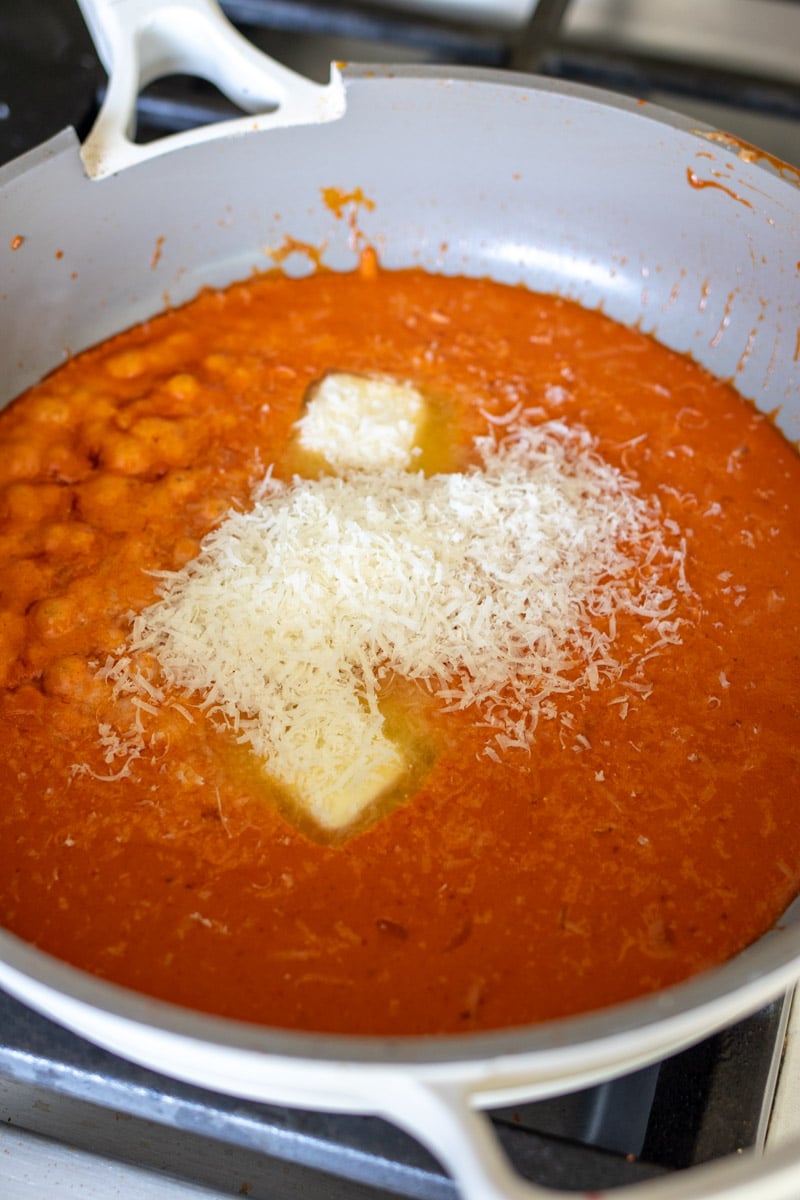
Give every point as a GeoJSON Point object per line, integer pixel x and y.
{"type": "Point", "coordinates": [674, 227]}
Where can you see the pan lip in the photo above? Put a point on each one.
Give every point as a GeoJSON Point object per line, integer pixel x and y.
{"type": "Point", "coordinates": [593, 94]}
{"type": "Point", "coordinates": [369, 74]}
{"type": "Point", "coordinates": [690, 1010]}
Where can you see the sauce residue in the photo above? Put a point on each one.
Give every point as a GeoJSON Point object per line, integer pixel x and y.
{"type": "Point", "coordinates": [337, 199]}
{"type": "Point", "coordinates": [157, 252]}
{"type": "Point", "coordinates": [696, 182]}
{"type": "Point", "coordinates": [749, 153]}
{"type": "Point", "coordinates": [291, 245]}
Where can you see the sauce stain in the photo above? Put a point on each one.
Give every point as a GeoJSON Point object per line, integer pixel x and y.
{"type": "Point", "coordinates": [293, 246]}
{"type": "Point", "coordinates": [696, 182]}
{"type": "Point", "coordinates": [748, 349]}
{"type": "Point", "coordinates": [749, 153]}
{"type": "Point", "coordinates": [726, 320]}
{"type": "Point", "coordinates": [337, 199]}
{"type": "Point", "coordinates": [705, 292]}
{"type": "Point", "coordinates": [156, 259]}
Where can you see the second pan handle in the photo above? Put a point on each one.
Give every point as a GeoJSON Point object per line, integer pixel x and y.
{"type": "Point", "coordinates": [444, 1118]}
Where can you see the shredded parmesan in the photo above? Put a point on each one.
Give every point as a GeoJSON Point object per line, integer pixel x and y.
{"type": "Point", "coordinates": [499, 587]}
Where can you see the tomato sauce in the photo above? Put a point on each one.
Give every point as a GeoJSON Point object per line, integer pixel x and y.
{"type": "Point", "coordinates": [641, 841]}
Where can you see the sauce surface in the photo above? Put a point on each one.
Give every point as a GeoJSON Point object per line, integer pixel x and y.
{"type": "Point", "coordinates": [642, 839]}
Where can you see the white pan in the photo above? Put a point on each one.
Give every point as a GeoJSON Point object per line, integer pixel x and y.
{"type": "Point", "coordinates": [680, 229]}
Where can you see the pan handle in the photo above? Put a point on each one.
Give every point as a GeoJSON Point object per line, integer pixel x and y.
{"type": "Point", "coordinates": [139, 41]}
{"type": "Point", "coordinates": [446, 1120]}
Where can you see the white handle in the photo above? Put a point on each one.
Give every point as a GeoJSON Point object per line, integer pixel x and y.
{"type": "Point", "coordinates": [462, 1138]}
{"type": "Point", "coordinates": [142, 40]}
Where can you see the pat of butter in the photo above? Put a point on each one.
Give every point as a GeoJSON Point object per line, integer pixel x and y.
{"type": "Point", "coordinates": [363, 424]}
{"type": "Point", "coordinates": [357, 423]}
{"type": "Point", "coordinates": [354, 763]}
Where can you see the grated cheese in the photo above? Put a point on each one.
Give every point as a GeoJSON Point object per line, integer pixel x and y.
{"type": "Point", "coordinates": [498, 587]}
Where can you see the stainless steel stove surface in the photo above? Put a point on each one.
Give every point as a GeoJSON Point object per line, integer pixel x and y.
{"type": "Point", "coordinates": [76, 1120]}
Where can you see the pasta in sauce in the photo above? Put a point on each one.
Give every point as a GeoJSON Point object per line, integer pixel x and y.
{"type": "Point", "coordinates": [647, 833]}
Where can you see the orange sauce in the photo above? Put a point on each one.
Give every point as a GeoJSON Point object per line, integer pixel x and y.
{"type": "Point", "coordinates": [696, 182]}
{"type": "Point", "coordinates": [657, 839]}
